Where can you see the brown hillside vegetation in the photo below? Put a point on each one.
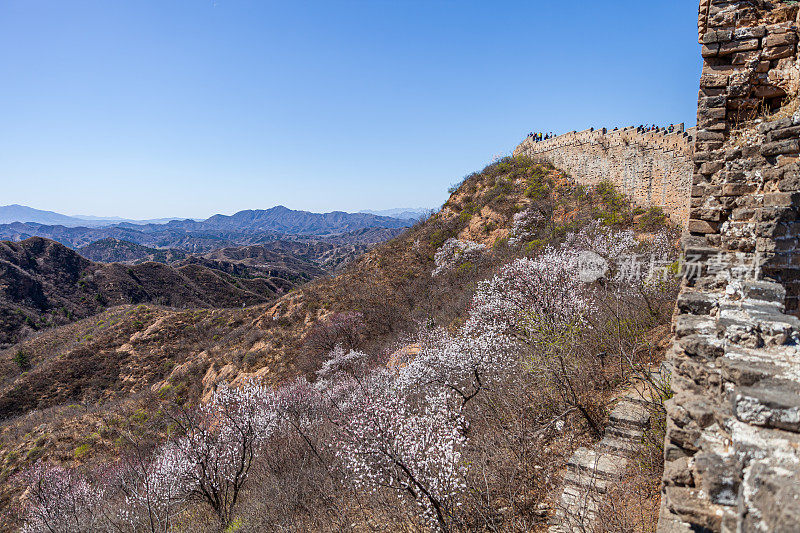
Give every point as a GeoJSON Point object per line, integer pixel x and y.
{"type": "Point", "coordinates": [71, 394]}
{"type": "Point", "coordinates": [45, 284]}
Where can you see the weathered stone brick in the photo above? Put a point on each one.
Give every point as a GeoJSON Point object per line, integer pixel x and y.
{"type": "Point", "coordinates": [780, 39]}
{"type": "Point", "coordinates": [717, 36]}
{"type": "Point", "coordinates": [742, 213]}
{"type": "Point", "coordinates": [706, 213]}
{"type": "Point", "coordinates": [715, 113]}
{"type": "Point", "coordinates": [738, 189]}
{"type": "Point", "coordinates": [790, 182]}
{"type": "Point", "coordinates": [713, 80]}
{"type": "Point", "coordinates": [712, 101]}
{"type": "Point", "coordinates": [711, 167]}
{"type": "Point", "coordinates": [790, 146]}
{"type": "Point", "coordinates": [706, 135]}
{"type": "Point", "coordinates": [746, 58]}
{"type": "Point", "coordinates": [781, 199]}
{"type": "Point", "coordinates": [769, 91]}
{"type": "Point", "coordinates": [778, 52]}
{"type": "Point", "coordinates": [748, 33]}
{"type": "Point", "coordinates": [767, 127]}
{"type": "Point", "coordinates": [702, 226]}
{"type": "Point", "coordinates": [712, 91]}
{"type": "Point", "coordinates": [783, 133]}
{"type": "Point", "coordinates": [709, 50]}
{"type": "Point", "coordinates": [708, 145]}
{"type": "Point", "coordinates": [737, 92]}
{"type": "Point", "coordinates": [731, 47]}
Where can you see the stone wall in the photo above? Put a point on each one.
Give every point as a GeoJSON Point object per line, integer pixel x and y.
{"type": "Point", "coordinates": [732, 448]}
{"type": "Point", "coordinates": [653, 168]}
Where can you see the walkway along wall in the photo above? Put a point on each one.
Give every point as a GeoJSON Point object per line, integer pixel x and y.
{"type": "Point", "coordinates": [653, 168]}
{"type": "Point", "coordinates": [732, 447]}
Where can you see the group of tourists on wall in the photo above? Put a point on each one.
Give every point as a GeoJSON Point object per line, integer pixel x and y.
{"type": "Point", "coordinates": [539, 136]}
{"type": "Point", "coordinates": [641, 128]}
{"type": "Point", "coordinates": [653, 127]}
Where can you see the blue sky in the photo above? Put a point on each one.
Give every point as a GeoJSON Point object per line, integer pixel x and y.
{"type": "Point", "coordinates": [153, 108]}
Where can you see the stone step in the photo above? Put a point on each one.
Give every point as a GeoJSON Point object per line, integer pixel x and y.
{"type": "Point", "coordinates": [643, 394]}
{"type": "Point", "coordinates": [634, 435]}
{"type": "Point", "coordinates": [619, 446]}
{"type": "Point", "coordinates": [629, 415]}
{"type": "Point", "coordinates": [633, 406]}
{"type": "Point", "coordinates": [561, 526]}
{"type": "Point", "coordinates": [637, 398]}
{"type": "Point", "coordinates": [578, 501]}
{"type": "Point", "coordinates": [584, 481]}
{"type": "Point", "coordinates": [602, 465]}
{"type": "Point", "coordinates": [591, 470]}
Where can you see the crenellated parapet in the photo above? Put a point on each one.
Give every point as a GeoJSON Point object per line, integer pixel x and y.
{"type": "Point", "coordinates": [654, 168]}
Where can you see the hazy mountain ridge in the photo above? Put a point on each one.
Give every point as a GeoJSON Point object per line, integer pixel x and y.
{"type": "Point", "coordinates": [241, 229]}
{"type": "Point", "coordinates": [403, 213]}
{"type": "Point", "coordinates": [281, 219]}
{"type": "Point", "coordinates": [278, 219]}
{"type": "Point", "coordinates": [22, 213]}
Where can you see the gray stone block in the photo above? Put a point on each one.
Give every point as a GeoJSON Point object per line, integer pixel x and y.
{"type": "Point", "coordinates": [772, 403]}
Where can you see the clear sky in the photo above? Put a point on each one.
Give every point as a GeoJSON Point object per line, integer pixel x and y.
{"type": "Point", "coordinates": [154, 108]}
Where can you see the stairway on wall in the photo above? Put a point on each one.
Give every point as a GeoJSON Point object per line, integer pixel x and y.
{"type": "Point", "coordinates": [592, 470]}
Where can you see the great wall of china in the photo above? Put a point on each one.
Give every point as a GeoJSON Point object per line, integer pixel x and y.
{"type": "Point", "coordinates": [654, 168]}
{"type": "Point", "coordinates": [732, 448]}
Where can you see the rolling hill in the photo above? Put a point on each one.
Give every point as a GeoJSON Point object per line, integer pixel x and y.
{"type": "Point", "coordinates": [45, 284]}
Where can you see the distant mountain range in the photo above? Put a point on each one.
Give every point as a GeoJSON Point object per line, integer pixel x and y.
{"type": "Point", "coordinates": [21, 213]}
{"type": "Point", "coordinates": [60, 268]}
{"type": "Point", "coordinates": [403, 213]}
{"type": "Point", "coordinates": [240, 229]}
{"type": "Point", "coordinates": [281, 219]}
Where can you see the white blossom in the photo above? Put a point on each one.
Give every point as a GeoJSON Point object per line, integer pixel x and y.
{"type": "Point", "coordinates": [416, 449]}
{"type": "Point", "coordinates": [523, 225]}
{"type": "Point", "coordinates": [454, 253]}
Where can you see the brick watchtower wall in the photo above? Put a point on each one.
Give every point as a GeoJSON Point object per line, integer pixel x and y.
{"type": "Point", "coordinates": [745, 190]}
{"type": "Point", "coordinates": [653, 168]}
{"type": "Point", "coordinates": [732, 449]}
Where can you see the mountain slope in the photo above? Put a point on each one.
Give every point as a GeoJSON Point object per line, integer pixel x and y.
{"type": "Point", "coordinates": [127, 361]}
{"type": "Point", "coordinates": [111, 250]}
{"type": "Point", "coordinates": [390, 285]}
{"type": "Point", "coordinates": [43, 283]}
